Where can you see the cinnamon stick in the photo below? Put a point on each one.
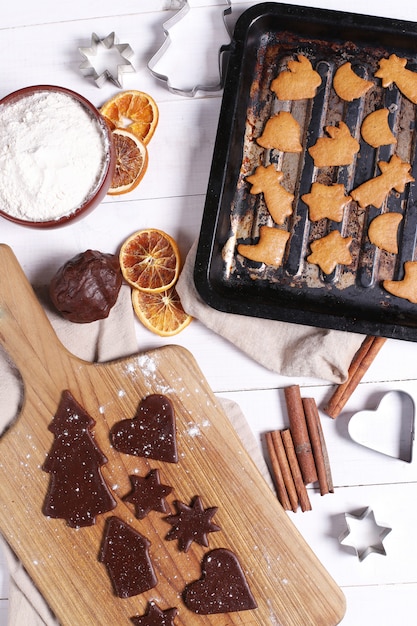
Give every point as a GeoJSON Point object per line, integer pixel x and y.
{"type": "Point", "coordinates": [360, 364]}
{"type": "Point", "coordinates": [277, 474]}
{"type": "Point", "coordinates": [313, 418]}
{"type": "Point", "coordinates": [299, 432]}
{"type": "Point", "coordinates": [295, 470]}
{"type": "Point", "coordinates": [281, 456]}
{"type": "Point", "coordinates": [326, 459]}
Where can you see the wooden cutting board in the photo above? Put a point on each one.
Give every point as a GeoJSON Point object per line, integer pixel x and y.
{"type": "Point", "coordinates": [290, 586]}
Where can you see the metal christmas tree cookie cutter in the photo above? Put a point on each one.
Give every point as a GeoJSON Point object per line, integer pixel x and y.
{"type": "Point", "coordinates": [122, 51]}
{"type": "Point", "coordinates": [191, 91]}
{"type": "Point", "coordinates": [373, 536]}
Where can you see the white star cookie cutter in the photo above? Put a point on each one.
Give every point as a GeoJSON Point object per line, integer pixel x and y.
{"type": "Point", "coordinates": [364, 534]}
{"type": "Point", "coordinates": [189, 61]}
{"type": "Point", "coordinates": [106, 59]}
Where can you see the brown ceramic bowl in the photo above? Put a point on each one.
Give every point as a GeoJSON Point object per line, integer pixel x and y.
{"type": "Point", "coordinates": [105, 169]}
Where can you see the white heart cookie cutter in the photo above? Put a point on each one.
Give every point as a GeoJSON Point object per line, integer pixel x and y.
{"type": "Point", "coordinates": [388, 429]}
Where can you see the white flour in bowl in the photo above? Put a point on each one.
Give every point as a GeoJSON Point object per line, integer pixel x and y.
{"type": "Point", "coordinates": [53, 154]}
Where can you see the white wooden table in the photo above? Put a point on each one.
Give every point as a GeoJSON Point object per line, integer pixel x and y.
{"type": "Point", "coordinates": [39, 44]}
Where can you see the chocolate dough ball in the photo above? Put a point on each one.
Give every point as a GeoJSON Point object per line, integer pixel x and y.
{"type": "Point", "coordinates": [86, 287]}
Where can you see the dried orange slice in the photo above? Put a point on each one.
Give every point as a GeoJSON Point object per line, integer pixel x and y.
{"type": "Point", "coordinates": [134, 111]}
{"type": "Point", "coordinates": [131, 158]}
{"type": "Point", "coordinates": [161, 312]}
{"type": "Point", "coordinates": [150, 260]}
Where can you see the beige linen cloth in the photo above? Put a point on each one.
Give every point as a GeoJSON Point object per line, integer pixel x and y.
{"type": "Point", "coordinates": [288, 349]}
{"type": "Point", "coordinates": [104, 340]}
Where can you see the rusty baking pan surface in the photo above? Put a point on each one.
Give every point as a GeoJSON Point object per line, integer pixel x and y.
{"type": "Point", "coordinates": [352, 296]}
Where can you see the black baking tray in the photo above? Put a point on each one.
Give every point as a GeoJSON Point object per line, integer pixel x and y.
{"type": "Point", "coordinates": [352, 297]}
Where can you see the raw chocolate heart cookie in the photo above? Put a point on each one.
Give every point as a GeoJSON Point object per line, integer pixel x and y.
{"type": "Point", "coordinates": [222, 587]}
{"type": "Point", "coordinates": [151, 433]}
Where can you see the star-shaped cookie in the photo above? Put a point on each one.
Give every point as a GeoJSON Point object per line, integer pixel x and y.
{"type": "Point", "coordinates": [331, 250]}
{"type": "Point", "coordinates": [154, 616]}
{"type": "Point", "coordinates": [148, 494]}
{"type": "Point", "coordinates": [326, 201]}
{"type": "Point", "coordinates": [192, 523]}
{"type": "Point", "coordinates": [407, 287]}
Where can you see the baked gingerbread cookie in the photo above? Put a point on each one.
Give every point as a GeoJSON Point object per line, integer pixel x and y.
{"type": "Point", "coordinates": [348, 85]}
{"type": "Point", "coordinates": [278, 200]}
{"type": "Point", "coordinates": [395, 175]}
{"type": "Point", "coordinates": [339, 148]}
{"type": "Point", "coordinates": [326, 201]}
{"type": "Point", "coordinates": [330, 251]}
{"type": "Point", "coordinates": [298, 82]}
{"type": "Point", "coordinates": [393, 70]}
{"type": "Point", "coordinates": [270, 248]}
{"type": "Point", "coordinates": [383, 231]}
{"type": "Point", "coordinates": [281, 132]}
{"type": "Point", "coordinates": [407, 287]}
{"type": "Point", "coordinates": [375, 129]}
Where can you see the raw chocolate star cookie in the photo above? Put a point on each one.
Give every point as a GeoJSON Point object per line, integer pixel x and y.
{"type": "Point", "coordinates": [154, 616]}
{"type": "Point", "coordinates": [326, 201]}
{"type": "Point", "coordinates": [148, 494]}
{"type": "Point", "coordinates": [299, 82]}
{"type": "Point", "coordinates": [278, 200]}
{"type": "Point", "coordinates": [329, 251]}
{"type": "Point", "coordinates": [192, 523]}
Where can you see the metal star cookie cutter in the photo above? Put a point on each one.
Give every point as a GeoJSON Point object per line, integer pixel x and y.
{"type": "Point", "coordinates": [373, 534]}
{"type": "Point", "coordinates": [163, 49]}
{"type": "Point", "coordinates": [119, 52]}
